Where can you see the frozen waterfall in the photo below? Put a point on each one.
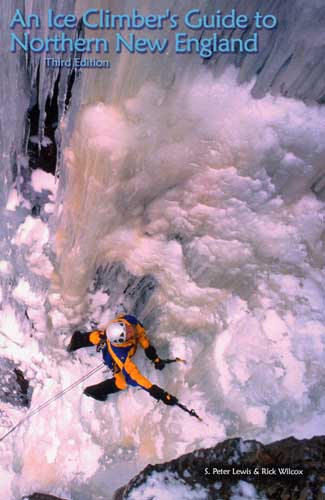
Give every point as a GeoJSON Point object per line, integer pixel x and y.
{"type": "Point", "coordinates": [190, 194]}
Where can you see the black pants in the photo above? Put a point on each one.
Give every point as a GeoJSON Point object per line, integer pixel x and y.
{"type": "Point", "coordinates": [79, 340]}
{"type": "Point", "coordinates": [102, 390]}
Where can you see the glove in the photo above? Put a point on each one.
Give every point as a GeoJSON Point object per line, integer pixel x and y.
{"type": "Point", "coordinates": [151, 353]}
{"type": "Point", "coordinates": [102, 343]}
{"type": "Point", "coordinates": [159, 394]}
{"type": "Point", "coordinates": [169, 399]}
{"type": "Point", "coordinates": [159, 364]}
{"type": "Point", "coordinates": [79, 340]}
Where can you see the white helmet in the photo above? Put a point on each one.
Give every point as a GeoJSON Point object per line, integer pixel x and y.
{"type": "Point", "coordinates": [116, 332]}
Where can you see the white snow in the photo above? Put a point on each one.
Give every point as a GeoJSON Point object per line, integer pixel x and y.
{"type": "Point", "coordinates": [45, 142]}
{"type": "Point", "coordinates": [13, 200]}
{"type": "Point", "coordinates": [6, 481]}
{"type": "Point", "coordinates": [43, 181]}
{"type": "Point", "coordinates": [166, 486]}
{"type": "Point", "coordinates": [9, 327]}
{"type": "Point", "coordinates": [49, 208]}
{"type": "Point", "coordinates": [24, 294]}
{"type": "Point", "coordinates": [5, 267]}
{"type": "Point", "coordinates": [34, 234]}
{"type": "Point", "coordinates": [244, 491]}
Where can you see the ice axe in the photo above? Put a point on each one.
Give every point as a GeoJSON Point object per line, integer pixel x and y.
{"type": "Point", "coordinates": [190, 412]}
{"type": "Point", "coordinates": [174, 360]}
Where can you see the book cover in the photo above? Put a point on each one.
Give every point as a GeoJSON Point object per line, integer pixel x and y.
{"type": "Point", "coordinates": [162, 249]}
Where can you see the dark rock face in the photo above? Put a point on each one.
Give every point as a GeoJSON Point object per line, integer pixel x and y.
{"type": "Point", "coordinates": [41, 496]}
{"type": "Point", "coordinates": [14, 388]}
{"type": "Point", "coordinates": [250, 461]}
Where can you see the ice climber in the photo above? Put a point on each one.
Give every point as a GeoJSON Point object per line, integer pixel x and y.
{"type": "Point", "coordinates": [118, 344]}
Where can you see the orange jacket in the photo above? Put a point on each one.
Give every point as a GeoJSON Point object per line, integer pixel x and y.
{"type": "Point", "coordinates": [118, 358]}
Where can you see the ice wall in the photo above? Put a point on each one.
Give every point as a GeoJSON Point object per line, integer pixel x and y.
{"type": "Point", "coordinates": [14, 96]}
{"type": "Point", "coordinates": [24, 83]}
{"type": "Point", "coordinates": [29, 94]}
{"type": "Point", "coordinates": [130, 73]}
{"type": "Point", "coordinates": [168, 72]}
{"type": "Point", "coordinates": [195, 198]}
{"type": "Point", "coordinates": [290, 62]}
{"type": "Point", "coordinates": [207, 190]}
{"type": "Point", "coordinates": [291, 57]}
{"type": "Point", "coordinates": [192, 181]}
